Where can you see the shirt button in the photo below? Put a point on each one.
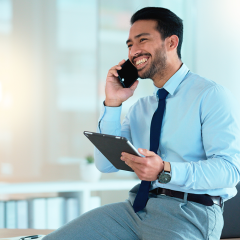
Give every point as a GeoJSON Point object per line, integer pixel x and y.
{"type": "Point", "coordinates": [163, 155]}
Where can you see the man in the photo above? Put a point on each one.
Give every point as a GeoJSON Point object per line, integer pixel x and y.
{"type": "Point", "coordinates": [188, 133]}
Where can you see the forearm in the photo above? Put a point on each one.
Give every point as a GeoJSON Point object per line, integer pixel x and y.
{"type": "Point", "coordinates": [213, 173]}
{"type": "Point", "coordinates": [109, 123]}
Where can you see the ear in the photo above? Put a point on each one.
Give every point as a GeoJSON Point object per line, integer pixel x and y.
{"type": "Point", "coordinates": [172, 43]}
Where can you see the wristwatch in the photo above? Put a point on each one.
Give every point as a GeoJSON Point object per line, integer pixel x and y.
{"type": "Point", "coordinates": [165, 175]}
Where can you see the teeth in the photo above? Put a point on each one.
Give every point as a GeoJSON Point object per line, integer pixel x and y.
{"type": "Point", "coordinates": [141, 61]}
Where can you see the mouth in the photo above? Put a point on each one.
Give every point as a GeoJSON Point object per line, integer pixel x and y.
{"type": "Point", "coordinates": [141, 62]}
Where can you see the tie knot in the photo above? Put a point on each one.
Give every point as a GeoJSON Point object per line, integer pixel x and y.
{"type": "Point", "coordinates": [162, 93]}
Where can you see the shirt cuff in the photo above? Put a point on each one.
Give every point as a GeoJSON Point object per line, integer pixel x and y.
{"type": "Point", "coordinates": [179, 172]}
{"type": "Point", "coordinates": [111, 113]}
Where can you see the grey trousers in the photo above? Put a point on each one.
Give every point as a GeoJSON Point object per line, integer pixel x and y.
{"type": "Point", "coordinates": [164, 218]}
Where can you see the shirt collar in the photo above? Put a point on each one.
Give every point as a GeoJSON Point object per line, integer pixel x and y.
{"type": "Point", "coordinates": [173, 82]}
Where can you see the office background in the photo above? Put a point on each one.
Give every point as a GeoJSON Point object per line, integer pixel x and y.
{"type": "Point", "coordinates": [54, 57]}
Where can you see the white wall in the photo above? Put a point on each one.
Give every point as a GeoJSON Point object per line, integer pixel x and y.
{"type": "Point", "coordinates": [218, 42]}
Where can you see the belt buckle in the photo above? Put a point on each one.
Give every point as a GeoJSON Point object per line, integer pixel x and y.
{"type": "Point", "coordinates": [217, 200]}
{"type": "Point", "coordinates": [166, 192]}
{"type": "Point", "coordinates": [162, 191]}
{"type": "Point", "coordinates": [159, 191]}
{"type": "Point", "coordinates": [221, 202]}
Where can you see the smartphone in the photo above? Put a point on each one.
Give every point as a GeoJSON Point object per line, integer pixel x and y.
{"type": "Point", "coordinates": [128, 74]}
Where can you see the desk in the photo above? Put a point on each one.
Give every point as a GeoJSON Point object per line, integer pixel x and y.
{"type": "Point", "coordinates": [4, 233]}
{"type": "Point", "coordinates": [83, 189]}
{"type": "Point", "coordinates": [26, 232]}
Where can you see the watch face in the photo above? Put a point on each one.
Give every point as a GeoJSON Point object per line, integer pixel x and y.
{"type": "Point", "coordinates": [164, 178]}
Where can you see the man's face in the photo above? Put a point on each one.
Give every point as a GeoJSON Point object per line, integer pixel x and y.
{"type": "Point", "coordinates": [146, 49]}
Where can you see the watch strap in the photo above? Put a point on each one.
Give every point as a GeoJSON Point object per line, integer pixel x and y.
{"type": "Point", "coordinates": [167, 167]}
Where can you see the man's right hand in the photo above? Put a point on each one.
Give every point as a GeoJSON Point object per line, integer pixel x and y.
{"type": "Point", "coordinates": [115, 93]}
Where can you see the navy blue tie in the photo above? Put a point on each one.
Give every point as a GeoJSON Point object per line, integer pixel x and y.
{"type": "Point", "coordinates": [155, 132]}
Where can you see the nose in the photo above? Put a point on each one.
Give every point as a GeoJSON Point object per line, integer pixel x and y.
{"type": "Point", "coordinates": [134, 51]}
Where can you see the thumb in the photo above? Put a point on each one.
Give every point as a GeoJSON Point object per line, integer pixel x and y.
{"type": "Point", "coordinates": [146, 152]}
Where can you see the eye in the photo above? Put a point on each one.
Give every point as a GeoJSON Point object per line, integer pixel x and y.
{"type": "Point", "coordinates": [129, 46]}
{"type": "Point", "coordinates": [142, 39]}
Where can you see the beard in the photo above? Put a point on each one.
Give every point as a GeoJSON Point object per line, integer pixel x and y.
{"type": "Point", "coordinates": [158, 65]}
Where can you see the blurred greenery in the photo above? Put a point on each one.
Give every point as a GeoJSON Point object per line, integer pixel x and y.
{"type": "Point", "coordinates": [90, 159]}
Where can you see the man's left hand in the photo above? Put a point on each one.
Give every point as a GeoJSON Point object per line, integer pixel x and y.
{"type": "Point", "coordinates": [147, 168]}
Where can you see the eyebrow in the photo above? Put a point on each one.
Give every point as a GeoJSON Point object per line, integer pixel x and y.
{"type": "Point", "coordinates": [138, 36]}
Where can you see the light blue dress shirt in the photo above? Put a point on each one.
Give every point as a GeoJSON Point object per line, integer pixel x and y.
{"type": "Point", "coordinates": [200, 134]}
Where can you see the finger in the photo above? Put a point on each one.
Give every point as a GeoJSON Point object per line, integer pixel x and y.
{"type": "Point", "coordinates": [146, 152]}
{"type": "Point", "coordinates": [116, 67]}
{"type": "Point", "coordinates": [130, 157]}
{"type": "Point", "coordinates": [122, 62]}
{"type": "Point", "coordinates": [138, 169]}
{"type": "Point", "coordinates": [135, 166]}
{"type": "Point", "coordinates": [134, 86]}
{"type": "Point", "coordinates": [112, 72]}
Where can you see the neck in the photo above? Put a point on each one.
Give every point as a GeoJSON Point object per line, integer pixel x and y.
{"type": "Point", "coordinates": [171, 68]}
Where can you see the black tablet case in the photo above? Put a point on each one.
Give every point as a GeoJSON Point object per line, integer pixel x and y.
{"type": "Point", "coordinates": [111, 147]}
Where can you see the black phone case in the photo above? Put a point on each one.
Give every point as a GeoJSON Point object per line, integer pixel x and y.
{"type": "Point", "coordinates": [112, 147]}
{"type": "Point", "coordinates": [128, 74]}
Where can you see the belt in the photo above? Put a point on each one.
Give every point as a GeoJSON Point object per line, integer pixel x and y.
{"type": "Point", "coordinates": [204, 199]}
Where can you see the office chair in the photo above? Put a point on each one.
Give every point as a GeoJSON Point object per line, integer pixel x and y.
{"type": "Point", "coordinates": [231, 217]}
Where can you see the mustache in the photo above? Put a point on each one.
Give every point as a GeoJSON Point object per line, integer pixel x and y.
{"type": "Point", "coordinates": [139, 55]}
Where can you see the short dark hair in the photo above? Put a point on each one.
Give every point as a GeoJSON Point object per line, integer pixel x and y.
{"type": "Point", "coordinates": [168, 23]}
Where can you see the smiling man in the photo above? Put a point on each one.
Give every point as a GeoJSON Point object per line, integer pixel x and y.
{"type": "Point", "coordinates": [187, 133]}
{"type": "Point", "coordinates": [148, 54]}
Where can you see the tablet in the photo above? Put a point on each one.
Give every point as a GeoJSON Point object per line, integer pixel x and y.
{"type": "Point", "coordinates": [112, 147]}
